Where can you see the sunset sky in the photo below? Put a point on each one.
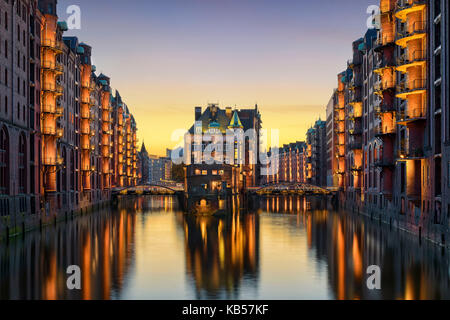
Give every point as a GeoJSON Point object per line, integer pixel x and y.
{"type": "Point", "coordinates": [167, 56]}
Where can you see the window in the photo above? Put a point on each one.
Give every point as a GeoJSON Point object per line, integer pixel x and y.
{"type": "Point", "coordinates": [22, 163]}
{"type": "Point", "coordinates": [64, 170]}
{"type": "Point", "coordinates": [204, 172]}
{"type": "Point", "coordinates": [4, 161]}
{"type": "Point", "coordinates": [72, 170]}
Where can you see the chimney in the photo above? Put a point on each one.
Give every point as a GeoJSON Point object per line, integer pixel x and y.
{"type": "Point", "coordinates": [198, 113]}
{"type": "Point", "coordinates": [228, 112]}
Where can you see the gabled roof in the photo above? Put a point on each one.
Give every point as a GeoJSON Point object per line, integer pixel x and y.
{"type": "Point", "coordinates": [235, 122]}
{"type": "Point", "coordinates": [215, 118]}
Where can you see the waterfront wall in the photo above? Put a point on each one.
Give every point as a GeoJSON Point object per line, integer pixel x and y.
{"type": "Point", "coordinates": [414, 223]}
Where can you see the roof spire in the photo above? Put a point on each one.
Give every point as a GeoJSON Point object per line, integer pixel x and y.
{"type": "Point", "coordinates": [143, 149]}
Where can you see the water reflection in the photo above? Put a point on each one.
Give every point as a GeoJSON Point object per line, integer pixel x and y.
{"type": "Point", "coordinates": [220, 253]}
{"type": "Point", "coordinates": [290, 248]}
{"type": "Point", "coordinates": [102, 245]}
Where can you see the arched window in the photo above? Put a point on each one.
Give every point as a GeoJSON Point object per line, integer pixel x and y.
{"type": "Point", "coordinates": [376, 155]}
{"type": "Point", "coordinates": [4, 161]}
{"type": "Point", "coordinates": [22, 163]}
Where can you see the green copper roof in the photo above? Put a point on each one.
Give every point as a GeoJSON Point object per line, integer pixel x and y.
{"type": "Point", "coordinates": [80, 50]}
{"type": "Point", "coordinates": [235, 121]}
{"type": "Point", "coordinates": [63, 25]}
{"type": "Point", "coordinates": [362, 46]}
{"type": "Point", "coordinates": [214, 124]}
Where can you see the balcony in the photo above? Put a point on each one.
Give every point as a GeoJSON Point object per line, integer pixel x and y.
{"type": "Point", "coordinates": [355, 131]}
{"type": "Point", "coordinates": [383, 86]}
{"type": "Point", "coordinates": [383, 63]}
{"type": "Point", "coordinates": [53, 88]}
{"type": "Point", "coordinates": [384, 107]}
{"type": "Point", "coordinates": [408, 116]}
{"type": "Point", "coordinates": [107, 119]}
{"type": "Point", "coordinates": [356, 169]}
{"type": "Point", "coordinates": [386, 7]}
{"type": "Point", "coordinates": [340, 106]}
{"type": "Point", "coordinates": [52, 66]}
{"type": "Point", "coordinates": [51, 161]}
{"type": "Point", "coordinates": [86, 115]}
{"type": "Point", "coordinates": [354, 115]}
{"type": "Point", "coordinates": [56, 46]}
{"type": "Point", "coordinates": [52, 109]}
{"type": "Point", "coordinates": [414, 31]}
{"type": "Point", "coordinates": [406, 88]}
{"type": "Point", "coordinates": [405, 152]}
{"type": "Point", "coordinates": [405, 7]}
{"type": "Point", "coordinates": [86, 146]}
{"type": "Point", "coordinates": [88, 168]}
{"type": "Point", "coordinates": [355, 145]}
{"type": "Point", "coordinates": [416, 58]}
{"type": "Point", "coordinates": [356, 82]}
{"type": "Point", "coordinates": [383, 42]}
{"type": "Point", "coordinates": [89, 86]}
{"type": "Point", "coordinates": [384, 131]}
{"type": "Point", "coordinates": [49, 131]}
{"type": "Point", "coordinates": [354, 99]}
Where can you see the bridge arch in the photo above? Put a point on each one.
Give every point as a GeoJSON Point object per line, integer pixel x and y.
{"type": "Point", "coordinates": [299, 188]}
{"type": "Point", "coordinates": [143, 188]}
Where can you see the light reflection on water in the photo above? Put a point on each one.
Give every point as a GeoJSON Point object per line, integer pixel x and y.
{"type": "Point", "coordinates": [291, 248]}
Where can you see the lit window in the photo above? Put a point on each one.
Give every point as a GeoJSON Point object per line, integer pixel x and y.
{"type": "Point", "coordinates": [214, 172]}
{"type": "Point", "coordinates": [205, 172]}
{"type": "Point", "coordinates": [221, 172]}
{"type": "Point", "coordinates": [197, 172]}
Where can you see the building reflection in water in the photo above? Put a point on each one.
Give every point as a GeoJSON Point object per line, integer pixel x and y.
{"type": "Point", "coordinates": [34, 267]}
{"type": "Point", "coordinates": [221, 253]}
{"type": "Point", "coordinates": [349, 244]}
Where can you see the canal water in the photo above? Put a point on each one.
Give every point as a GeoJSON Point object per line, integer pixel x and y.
{"type": "Point", "coordinates": [289, 248]}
